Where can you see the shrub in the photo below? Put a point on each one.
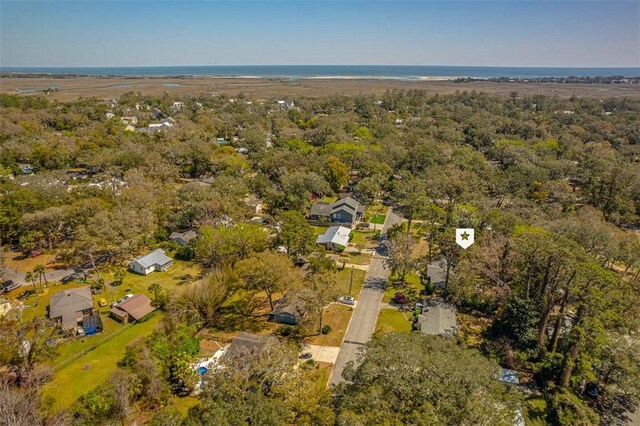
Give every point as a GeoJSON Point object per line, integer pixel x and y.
{"type": "Point", "coordinates": [400, 298]}
{"type": "Point", "coordinates": [326, 329]}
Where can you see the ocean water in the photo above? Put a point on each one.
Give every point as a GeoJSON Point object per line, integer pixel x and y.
{"type": "Point", "coordinates": [403, 72]}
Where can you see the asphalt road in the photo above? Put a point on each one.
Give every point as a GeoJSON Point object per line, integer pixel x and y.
{"type": "Point", "coordinates": [365, 316]}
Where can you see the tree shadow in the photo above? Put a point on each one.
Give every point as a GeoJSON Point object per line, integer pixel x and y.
{"type": "Point", "coordinates": [241, 315]}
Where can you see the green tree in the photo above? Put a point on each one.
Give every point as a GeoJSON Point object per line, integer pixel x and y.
{"type": "Point", "coordinates": [155, 288]}
{"type": "Point", "coordinates": [411, 378]}
{"type": "Point", "coordinates": [296, 235]}
{"type": "Point", "coordinates": [337, 173]}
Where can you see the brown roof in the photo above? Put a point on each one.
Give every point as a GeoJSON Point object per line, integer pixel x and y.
{"type": "Point", "coordinates": [138, 306]}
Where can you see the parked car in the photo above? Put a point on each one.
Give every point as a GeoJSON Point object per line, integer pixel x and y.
{"type": "Point", "coordinates": [9, 285]}
{"type": "Point", "coordinates": [306, 355]}
{"type": "Point", "coordinates": [102, 302]}
{"type": "Point", "coordinates": [347, 300]}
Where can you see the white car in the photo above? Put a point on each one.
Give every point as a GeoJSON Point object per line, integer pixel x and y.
{"type": "Point", "coordinates": [347, 300]}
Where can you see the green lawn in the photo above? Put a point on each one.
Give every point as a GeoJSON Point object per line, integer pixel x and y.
{"type": "Point", "coordinates": [356, 259]}
{"type": "Point", "coordinates": [92, 369]}
{"type": "Point", "coordinates": [179, 274]}
{"type": "Point", "coordinates": [368, 239]}
{"type": "Point", "coordinates": [412, 285]}
{"type": "Point", "coordinates": [378, 218]}
{"type": "Point", "coordinates": [344, 277]}
{"type": "Point", "coordinates": [390, 319]}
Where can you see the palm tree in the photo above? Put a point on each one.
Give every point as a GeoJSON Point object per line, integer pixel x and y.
{"type": "Point", "coordinates": [31, 277]}
{"type": "Point", "coordinates": [40, 270]}
{"type": "Point", "coordinates": [119, 276]}
{"type": "Point", "coordinates": [155, 288]}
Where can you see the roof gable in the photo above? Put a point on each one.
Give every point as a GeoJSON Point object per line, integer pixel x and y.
{"type": "Point", "coordinates": [156, 257]}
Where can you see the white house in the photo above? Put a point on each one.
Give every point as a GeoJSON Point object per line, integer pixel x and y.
{"type": "Point", "coordinates": [334, 238]}
{"type": "Point", "coordinates": [154, 261]}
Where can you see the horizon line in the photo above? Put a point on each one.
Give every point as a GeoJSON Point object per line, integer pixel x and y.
{"type": "Point", "coordinates": [317, 65]}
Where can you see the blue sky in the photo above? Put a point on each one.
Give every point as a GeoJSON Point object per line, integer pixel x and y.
{"type": "Point", "coordinates": [484, 33]}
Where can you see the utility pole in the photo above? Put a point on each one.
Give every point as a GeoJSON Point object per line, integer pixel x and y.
{"type": "Point", "coordinates": [351, 281]}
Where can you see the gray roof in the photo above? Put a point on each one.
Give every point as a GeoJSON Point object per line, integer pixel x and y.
{"type": "Point", "coordinates": [321, 209]}
{"type": "Point", "coordinates": [439, 320]}
{"type": "Point", "coordinates": [335, 235]}
{"type": "Point", "coordinates": [156, 257]}
{"type": "Point", "coordinates": [436, 274]}
{"type": "Point", "coordinates": [183, 236]}
{"type": "Point", "coordinates": [349, 203]}
{"type": "Point", "coordinates": [66, 304]}
{"type": "Point", "coordinates": [245, 344]}
{"type": "Point", "coordinates": [293, 306]}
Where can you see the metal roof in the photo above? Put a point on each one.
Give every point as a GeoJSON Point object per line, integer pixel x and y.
{"type": "Point", "coordinates": [336, 235]}
{"type": "Point", "coordinates": [156, 257]}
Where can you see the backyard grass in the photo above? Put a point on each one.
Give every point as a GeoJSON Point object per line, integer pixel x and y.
{"type": "Point", "coordinates": [391, 319]}
{"type": "Point", "coordinates": [94, 368]}
{"type": "Point", "coordinates": [337, 316]}
{"type": "Point", "coordinates": [344, 277]}
{"type": "Point", "coordinates": [179, 274]}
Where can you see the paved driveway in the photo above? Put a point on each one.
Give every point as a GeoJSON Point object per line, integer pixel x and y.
{"type": "Point", "coordinates": [365, 316]}
{"type": "Point", "coordinates": [322, 353]}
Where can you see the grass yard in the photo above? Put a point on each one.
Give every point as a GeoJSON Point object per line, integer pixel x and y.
{"type": "Point", "coordinates": [368, 239]}
{"type": "Point", "coordinates": [179, 274]}
{"type": "Point", "coordinates": [95, 367]}
{"type": "Point", "coordinates": [344, 277]}
{"type": "Point", "coordinates": [412, 286]}
{"type": "Point", "coordinates": [337, 316]}
{"type": "Point", "coordinates": [321, 375]}
{"type": "Point", "coordinates": [355, 258]}
{"type": "Point", "coordinates": [391, 319]}
{"type": "Point", "coordinates": [378, 219]}
{"type": "Point", "coordinates": [14, 261]}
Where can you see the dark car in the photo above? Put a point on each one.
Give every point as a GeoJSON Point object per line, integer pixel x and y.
{"type": "Point", "coordinates": [9, 285]}
{"type": "Point", "coordinates": [306, 355]}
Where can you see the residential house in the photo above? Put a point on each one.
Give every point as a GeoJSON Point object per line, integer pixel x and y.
{"type": "Point", "coordinates": [334, 238]}
{"type": "Point", "coordinates": [285, 104]}
{"type": "Point", "coordinates": [246, 344]}
{"type": "Point", "coordinates": [67, 308]}
{"type": "Point", "coordinates": [177, 106]}
{"type": "Point", "coordinates": [437, 275]}
{"type": "Point", "coordinates": [289, 310]}
{"type": "Point", "coordinates": [183, 238]}
{"type": "Point", "coordinates": [129, 120]}
{"type": "Point", "coordinates": [133, 309]}
{"type": "Point", "coordinates": [157, 260]}
{"type": "Point", "coordinates": [109, 115]}
{"type": "Point", "coordinates": [439, 320]}
{"type": "Point", "coordinates": [345, 210]}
